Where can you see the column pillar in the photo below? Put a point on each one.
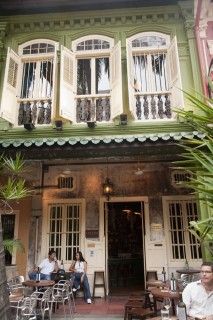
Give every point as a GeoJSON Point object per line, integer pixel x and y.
{"type": "Point", "coordinates": [187, 9]}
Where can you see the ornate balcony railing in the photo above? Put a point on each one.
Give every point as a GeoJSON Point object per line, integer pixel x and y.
{"type": "Point", "coordinates": [34, 111]}
{"type": "Point", "coordinates": [153, 106]}
{"type": "Point", "coordinates": [93, 108]}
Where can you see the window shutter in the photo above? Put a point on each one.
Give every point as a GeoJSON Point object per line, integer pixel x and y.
{"type": "Point", "coordinates": [54, 93]}
{"type": "Point", "coordinates": [67, 84]}
{"type": "Point", "coordinates": [8, 108]}
{"type": "Point", "coordinates": [174, 76]}
{"type": "Point", "coordinates": [116, 81]}
{"type": "Point", "coordinates": [130, 75]}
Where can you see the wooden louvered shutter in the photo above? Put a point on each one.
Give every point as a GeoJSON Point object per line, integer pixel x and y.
{"type": "Point", "coordinates": [8, 107]}
{"type": "Point", "coordinates": [67, 85]}
{"type": "Point", "coordinates": [116, 81]}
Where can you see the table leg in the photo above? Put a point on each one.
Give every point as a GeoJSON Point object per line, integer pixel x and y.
{"type": "Point", "coordinates": [173, 307]}
{"type": "Point", "coordinates": [155, 304]}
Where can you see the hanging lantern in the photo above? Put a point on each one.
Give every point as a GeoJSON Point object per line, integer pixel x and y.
{"type": "Point", "coordinates": [107, 188]}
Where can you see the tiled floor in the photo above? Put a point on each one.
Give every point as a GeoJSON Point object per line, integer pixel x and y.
{"type": "Point", "coordinates": [111, 308]}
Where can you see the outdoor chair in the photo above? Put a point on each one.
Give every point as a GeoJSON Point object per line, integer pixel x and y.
{"type": "Point", "coordinates": [60, 294]}
{"type": "Point", "coordinates": [43, 302]}
{"type": "Point", "coordinates": [25, 308]}
{"type": "Point", "coordinates": [70, 291]}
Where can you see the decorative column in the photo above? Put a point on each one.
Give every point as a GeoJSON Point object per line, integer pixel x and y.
{"type": "Point", "coordinates": [3, 27]}
{"type": "Point", "coordinates": [34, 233]}
{"type": "Point", "coordinates": [187, 9]}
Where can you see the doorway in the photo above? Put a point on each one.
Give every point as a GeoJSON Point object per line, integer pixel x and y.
{"type": "Point", "coordinates": [125, 221]}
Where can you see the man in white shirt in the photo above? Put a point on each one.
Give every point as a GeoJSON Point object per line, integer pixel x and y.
{"type": "Point", "coordinates": [198, 295]}
{"type": "Point", "coordinates": [46, 267]}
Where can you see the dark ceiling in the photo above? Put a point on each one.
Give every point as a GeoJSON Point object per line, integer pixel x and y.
{"type": "Point", "coordinates": [9, 7]}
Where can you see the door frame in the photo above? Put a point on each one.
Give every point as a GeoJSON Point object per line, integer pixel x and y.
{"type": "Point", "coordinates": [103, 225]}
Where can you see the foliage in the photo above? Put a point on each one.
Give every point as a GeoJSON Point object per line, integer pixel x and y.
{"type": "Point", "coordinates": [198, 161]}
{"type": "Point", "coordinates": [12, 245]}
{"type": "Point", "coordinates": [14, 188]}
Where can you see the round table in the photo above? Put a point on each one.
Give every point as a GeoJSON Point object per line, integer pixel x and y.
{"type": "Point", "coordinates": [188, 271]}
{"type": "Point", "coordinates": [155, 283]}
{"type": "Point", "coordinates": [42, 283]}
{"type": "Point", "coordinates": [162, 294]}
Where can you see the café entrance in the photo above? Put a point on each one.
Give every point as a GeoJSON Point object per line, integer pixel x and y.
{"type": "Point", "coordinates": [125, 221]}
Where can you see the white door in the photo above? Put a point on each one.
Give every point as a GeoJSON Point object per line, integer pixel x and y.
{"type": "Point", "coordinates": [65, 229]}
{"type": "Point", "coordinates": [181, 244]}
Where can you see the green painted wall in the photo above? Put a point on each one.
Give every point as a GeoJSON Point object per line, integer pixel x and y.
{"type": "Point", "coordinates": [118, 24]}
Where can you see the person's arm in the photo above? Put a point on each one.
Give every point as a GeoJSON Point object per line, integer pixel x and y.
{"type": "Point", "coordinates": [72, 267]}
{"type": "Point", "coordinates": [186, 296]}
{"type": "Point", "coordinates": [41, 265]}
{"type": "Point", "coordinates": [85, 267]}
{"type": "Point", "coordinates": [85, 271]}
{"type": "Point", "coordinates": [56, 266]}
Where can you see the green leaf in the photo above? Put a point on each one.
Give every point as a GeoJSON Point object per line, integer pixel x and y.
{"type": "Point", "coordinates": [12, 245]}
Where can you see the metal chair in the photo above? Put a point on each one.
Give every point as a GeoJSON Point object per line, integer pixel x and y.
{"type": "Point", "coordinates": [27, 309]}
{"type": "Point", "coordinates": [70, 291]}
{"type": "Point", "coordinates": [43, 302]}
{"type": "Point", "coordinates": [60, 294]}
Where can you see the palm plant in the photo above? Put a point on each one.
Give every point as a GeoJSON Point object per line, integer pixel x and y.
{"type": "Point", "coordinates": [12, 188]}
{"type": "Point", "coordinates": [198, 161]}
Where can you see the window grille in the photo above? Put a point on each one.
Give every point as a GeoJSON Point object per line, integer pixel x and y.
{"type": "Point", "coordinates": [65, 183]}
{"type": "Point", "coordinates": [37, 79]}
{"type": "Point", "coordinates": [179, 178]}
{"type": "Point", "coordinates": [183, 244]}
{"type": "Point", "coordinates": [149, 41]}
{"type": "Point", "coordinates": [36, 48]}
{"type": "Point", "coordinates": [64, 230]}
{"type": "Point", "coordinates": [93, 44]}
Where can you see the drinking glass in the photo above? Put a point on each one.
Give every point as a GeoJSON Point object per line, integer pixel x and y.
{"type": "Point", "coordinates": [166, 303]}
{"type": "Point", "coordinates": [164, 314]}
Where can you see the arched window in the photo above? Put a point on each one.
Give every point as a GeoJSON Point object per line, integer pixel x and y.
{"type": "Point", "coordinates": [92, 70]}
{"type": "Point", "coordinates": [30, 76]}
{"type": "Point", "coordinates": [153, 75]}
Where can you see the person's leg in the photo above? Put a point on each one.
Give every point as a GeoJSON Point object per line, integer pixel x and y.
{"type": "Point", "coordinates": [32, 275]}
{"type": "Point", "coordinates": [87, 294]}
{"type": "Point", "coordinates": [45, 276]}
{"type": "Point", "coordinates": [77, 280]}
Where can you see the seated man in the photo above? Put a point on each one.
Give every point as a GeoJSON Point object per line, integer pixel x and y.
{"type": "Point", "coordinates": [46, 267]}
{"type": "Point", "coordinates": [198, 295]}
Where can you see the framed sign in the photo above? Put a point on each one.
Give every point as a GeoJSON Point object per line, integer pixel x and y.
{"type": "Point", "coordinates": [92, 234]}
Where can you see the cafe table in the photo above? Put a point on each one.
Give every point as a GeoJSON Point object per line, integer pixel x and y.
{"type": "Point", "coordinates": [160, 294]}
{"type": "Point", "coordinates": [40, 284]}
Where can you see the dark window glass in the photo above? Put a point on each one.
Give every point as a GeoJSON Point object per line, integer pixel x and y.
{"type": "Point", "coordinates": [8, 227]}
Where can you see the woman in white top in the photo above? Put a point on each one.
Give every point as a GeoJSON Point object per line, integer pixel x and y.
{"type": "Point", "coordinates": [79, 267]}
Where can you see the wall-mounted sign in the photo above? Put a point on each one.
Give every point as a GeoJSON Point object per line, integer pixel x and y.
{"type": "Point", "coordinates": [156, 232]}
{"type": "Point", "coordinates": [92, 234]}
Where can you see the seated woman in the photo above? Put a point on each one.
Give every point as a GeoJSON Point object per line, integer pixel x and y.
{"type": "Point", "coordinates": [79, 267]}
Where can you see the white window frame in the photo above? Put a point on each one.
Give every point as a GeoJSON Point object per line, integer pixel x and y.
{"type": "Point", "coordinates": [91, 54]}
{"type": "Point", "coordinates": [10, 112]}
{"type": "Point", "coordinates": [69, 90]}
{"type": "Point", "coordinates": [45, 227]}
{"type": "Point", "coordinates": [177, 262]}
{"type": "Point", "coordinates": [173, 82]}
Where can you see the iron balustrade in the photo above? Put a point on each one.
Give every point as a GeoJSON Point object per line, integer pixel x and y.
{"type": "Point", "coordinates": [34, 111]}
